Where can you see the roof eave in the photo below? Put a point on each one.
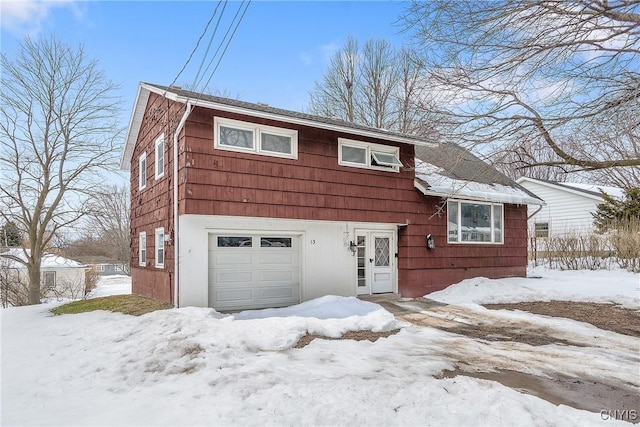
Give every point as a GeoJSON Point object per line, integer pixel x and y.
{"type": "Point", "coordinates": [523, 200]}
{"type": "Point", "coordinates": [576, 191]}
{"type": "Point", "coordinates": [135, 122]}
{"type": "Point", "coordinates": [284, 118]}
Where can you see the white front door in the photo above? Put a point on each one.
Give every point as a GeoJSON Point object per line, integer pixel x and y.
{"type": "Point", "coordinates": [375, 262]}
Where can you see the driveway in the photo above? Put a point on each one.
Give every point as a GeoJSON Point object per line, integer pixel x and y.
{"type": "Point", "coordinates": [542, 355]}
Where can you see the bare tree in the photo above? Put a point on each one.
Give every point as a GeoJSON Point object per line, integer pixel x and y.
{"type": "Point", "coordinates": [57, 131]}
{"type": "Point", "coordinates": [110, 222]}
{"type": "Point", "coordinates": [377, 86]}
{"type": "Point", "coordinates": [530, 73]}
{"type": "Point", "coordinates": [336, 96]}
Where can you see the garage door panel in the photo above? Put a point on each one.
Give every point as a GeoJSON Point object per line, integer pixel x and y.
{"type": "Point", "coordinates": [287, 258]}
{"type": "Point", "coordinates": [284, 293]}
{"type": "Point", "coordinates": [255, 275]}
{"type": "Point", "coordinates": [236, 296]}
{"type": "Point", "coordinates": [233, 258]}
{"type": "Point", "coordinates": [223, 277]}
{"type": "Point", "coordinates": [280, 276]}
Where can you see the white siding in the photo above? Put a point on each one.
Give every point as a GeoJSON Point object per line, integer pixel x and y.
{"type": "Point", "coordinates": [327, 265]}
{"type": "Point", "coordinates": [566, 211]}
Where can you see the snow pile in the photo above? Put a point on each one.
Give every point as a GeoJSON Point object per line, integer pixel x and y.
{"type": "Point", "coordinates": [195, 366]}
{"type": "Point", "coordinates": [603, 286]}
{"type": "Point", "coordinates": [118, 284]}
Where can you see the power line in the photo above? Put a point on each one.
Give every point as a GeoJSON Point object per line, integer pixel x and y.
{"type": "Point", "coordinates": [228, 42]}
{"type": "Point", "coordinates": [204, 57]}
{"type": "Point", "coordinates": [206, 28]}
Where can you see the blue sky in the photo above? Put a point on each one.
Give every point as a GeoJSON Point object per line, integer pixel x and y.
{"type": "Point", "coordinates": [279, 50]}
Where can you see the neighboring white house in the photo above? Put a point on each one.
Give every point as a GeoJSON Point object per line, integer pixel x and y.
{"type": "Point", "coordinates": [569, 206]}
{"type": "Point", "coordinates": [60, 277]}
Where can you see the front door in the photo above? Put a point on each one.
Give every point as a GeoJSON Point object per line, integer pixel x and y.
{"type": "Point", "coordinates": [375, 262]}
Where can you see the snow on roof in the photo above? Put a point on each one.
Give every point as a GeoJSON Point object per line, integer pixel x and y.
{"type": "Point", "coordinates": [437, 183]}
{"type": "Point", "coordinates": [615, 192]}
{"type": "Point", "coordinates": [48, 260]}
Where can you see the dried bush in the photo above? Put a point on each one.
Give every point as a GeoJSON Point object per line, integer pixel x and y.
{"type": "Point", "coordinates": [573, 252]}
{"type": "Point", "coordinates": [626, 243]}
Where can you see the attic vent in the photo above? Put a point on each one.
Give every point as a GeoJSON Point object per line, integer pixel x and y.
{"type": "Point", "coordinates": [263, 104]}
{"type": "Point", "coordinates": [175, 87]}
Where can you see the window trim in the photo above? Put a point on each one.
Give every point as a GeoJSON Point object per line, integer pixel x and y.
{"type": "Point", "coordinates": [370, 149]}
{"type": "Point", "coordinates": [159, 144]}
{"type": "Point", "coordinates": [459, 222]}
{"type": "Point", "coordinates": [142, 249]}
{"type": "Point", "coordinates": [46, 273]}
{"type": "Point", "coordinates": [142, 171]}
{"type": "Point", "coordinates": [257, 130]}
{"type": "Point", "coordinates": [544, 226]}
{"type": "Point", "coordinates": [159, 245]}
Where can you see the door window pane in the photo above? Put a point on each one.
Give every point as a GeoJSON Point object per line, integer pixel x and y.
{"type": "Point", "coordinates": [362, 261]}
{"type": "Point", "coordinates": [381, 251]}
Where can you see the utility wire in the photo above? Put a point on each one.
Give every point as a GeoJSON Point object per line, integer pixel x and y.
{"type": "Point", "coordinates": [228, 42]}
{"type": "Point", "coordinates": [206, 28]}
{"type": "Point", "coordinates": [204, 57]}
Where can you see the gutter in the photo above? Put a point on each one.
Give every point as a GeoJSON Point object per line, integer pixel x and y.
{"type": "Point", "coordinates": [176, 226]}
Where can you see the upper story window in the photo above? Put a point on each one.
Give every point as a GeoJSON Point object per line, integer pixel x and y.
{"type": "Point", "coordinates": [474, 222]}
{"type": "Point", "coordinates": [235, 135]}
{"type": "Point", "coordinates": [159, 168]}
{"type": "Point", "coordinates": [368, 155]}
{"type": "Point", "coordinates": [142, 171]}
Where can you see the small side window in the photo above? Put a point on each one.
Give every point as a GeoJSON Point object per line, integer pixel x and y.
{"type": "Point", "coordinates": [159, 169]}
{"type": "Point", "coordinates": [142, 171]}
{"type": "Point", "coordinates": [159, 247]}
{"type": "Point", "coordinates": [142, 249]}
{"type": "Point", "coordinates": [541, 230]}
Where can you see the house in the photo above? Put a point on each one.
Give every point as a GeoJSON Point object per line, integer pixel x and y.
{"type": "Point", "coordinates": [569, 207]}
{"type": "Point", "coordinates": [101, 265]}
{"type": "Point", "coordinates": [60, 277]}
{"type": "Point", "coordinates": [267, 207]}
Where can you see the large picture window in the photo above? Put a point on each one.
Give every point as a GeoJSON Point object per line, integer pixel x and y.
{"type": "Point", "coordinates": [474, 222]}
{"type": "Point", "coordinates": [361, 154]}
{"type": "Point", "coordinates": [235, 135]}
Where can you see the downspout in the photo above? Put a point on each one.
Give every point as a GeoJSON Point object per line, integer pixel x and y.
{"type": "Point", "coordinates": [176, 226]}
{"type": "Point", "coordinates": [533, 214]}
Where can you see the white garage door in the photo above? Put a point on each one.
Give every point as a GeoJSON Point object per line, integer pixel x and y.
{"type": "Point", "coordinates": [253, 271]}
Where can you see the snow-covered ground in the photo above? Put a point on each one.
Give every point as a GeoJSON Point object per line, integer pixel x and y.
{"type": "Point", "coordinates": [194, 366]}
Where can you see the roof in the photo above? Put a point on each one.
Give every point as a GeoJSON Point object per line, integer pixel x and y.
{"type": "Point", "coordinates": [592, 191]}
{"type": "Point", "coordinates": [449, 170]}
{"type": "Point", "coordinates": [445, 170]}
{"type": "Point", "coordinates": [48, 260]}
{"type": "Point", "coordinates": [251, 109]}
